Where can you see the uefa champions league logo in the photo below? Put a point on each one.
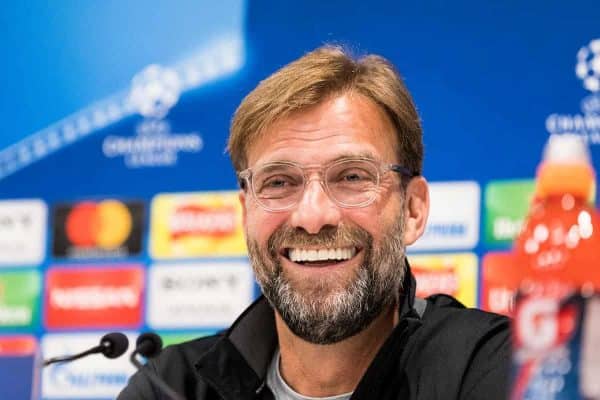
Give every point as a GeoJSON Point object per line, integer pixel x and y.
{"type": "Point", "coordinates": [586, 123]}
{"type": "Point", "coordinates": [154, 91]}
{"type": "Point", "coordinates": [588, 66]}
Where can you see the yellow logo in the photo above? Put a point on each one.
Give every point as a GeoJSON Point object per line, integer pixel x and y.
{"type": "Point", "coordinates": [202, 224]}
{"type": "Point", "coordinates": [452, 274]}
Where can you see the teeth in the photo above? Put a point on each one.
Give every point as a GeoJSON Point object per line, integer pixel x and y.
{"type": "Point", "coordinates": [300, 255]}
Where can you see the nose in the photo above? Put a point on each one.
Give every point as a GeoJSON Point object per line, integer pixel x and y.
{"type": "Point", "coordinates": [315, 210]}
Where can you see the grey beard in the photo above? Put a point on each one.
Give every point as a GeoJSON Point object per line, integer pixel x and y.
{"type": "Point", "coordinates": [323, 316]}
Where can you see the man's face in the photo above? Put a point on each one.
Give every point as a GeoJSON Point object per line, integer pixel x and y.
{"type": "Point", "coordinates": [360, 268]}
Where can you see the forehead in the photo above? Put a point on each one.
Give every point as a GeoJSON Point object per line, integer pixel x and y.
{"type": "Point", "coordinates": [348, 124]}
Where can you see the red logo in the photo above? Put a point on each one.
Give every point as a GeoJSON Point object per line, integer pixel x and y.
{"type": "Point", "coordinates": [500, 279]}
{"type": "Point", "coordinates": [106, 224]}
{"type": "Point", "coordinates": [17, 345]}
{"type": "Point", "coordinates": [94, 297]}
{"type": "Point", "coordinates": [198, 220]}
{"type": "Point", "coordinates": [431, 281]}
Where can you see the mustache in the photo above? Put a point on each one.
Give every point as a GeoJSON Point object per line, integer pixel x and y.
{"type": "Point", "coordinates": [342, 235]}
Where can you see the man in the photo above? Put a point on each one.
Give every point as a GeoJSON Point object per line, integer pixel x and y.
{"type": "Point", "coordinates": [329, 155]}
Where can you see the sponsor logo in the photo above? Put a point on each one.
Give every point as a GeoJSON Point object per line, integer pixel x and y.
{"type": "Point", "coordinates": [500, 279]}
{"type": "Point", "coordinates": [452, 274]}
{"type": "Point", "coordinates": [198, 295]}
{"type": "Point", "coordinates": [19, 367]}
{"type": "Point", "coordinates": [537, 323]}
{"type": "Point", "coordinates": [453, 218]}
{"type": "Point", "coordinates": [191, 220]}
{"type": "Point", "coordinates": [94, 297]}
{"type": "Point", "coordinates": [443, 280]}
{"type": "Point", "coordinates": [22, 232]}
{"type": "Point", "coordinates": [91, 377]}
{"type": "Point", "coordinates": [196, 224]}
{"type": "Point", "coordinates": [19, 299]}
{"type": "Point", "coordinates": [553, 356]}
{"type": "Point", "coordinates": [586, 123]}
{"type": "Point", "coordinates": [90, 229]}
{"type": "Point", "coordinates": [17, 346]}
{"type": "Point", "coordinates": [506, 206]}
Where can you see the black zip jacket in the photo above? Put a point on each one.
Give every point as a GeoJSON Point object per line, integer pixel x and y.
{"type": "Point", "coordinates": [438, 350]}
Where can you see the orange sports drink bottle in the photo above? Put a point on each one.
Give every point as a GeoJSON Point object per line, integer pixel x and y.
{"type": "Point", "coordinates": [559, 243]}
{"type": "Point", "coordinates": [556, 329]}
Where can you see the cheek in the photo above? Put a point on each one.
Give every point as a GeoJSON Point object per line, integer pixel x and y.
{"type": "Point", "coordinates": [370, 222]}
{"type": "Point", "coordinates": [378, 218]}
{"type": "Point", "coordinates": [260, 224]}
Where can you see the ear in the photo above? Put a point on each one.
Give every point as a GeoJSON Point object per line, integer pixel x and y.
{"type": "Point", "coordinates": [242, 197]}
{"type": "Point", "coordinates": [416, 209]}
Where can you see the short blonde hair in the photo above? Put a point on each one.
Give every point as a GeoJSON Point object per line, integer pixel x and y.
{"type": "Point", "coordinates": [318, 75]}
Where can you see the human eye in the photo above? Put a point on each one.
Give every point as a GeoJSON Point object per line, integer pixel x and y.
{"type": "Point", "coordinates": [277, 184]}
{"type": "Point", "coordinates": [353, 174]}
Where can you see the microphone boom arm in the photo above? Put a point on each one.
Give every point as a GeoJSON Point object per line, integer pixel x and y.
{"type": "Point", "coordinates": [54, 360]}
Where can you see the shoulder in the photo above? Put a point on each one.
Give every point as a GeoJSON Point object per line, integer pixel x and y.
{"type": "Point", "coordinates": [460, 331]}
{"type": "Point", "coordinates": [466, 349]}
{"type": "Point", "coordinates": [183, 356]}
{"type": "Point", "coordinates": [448, 314]}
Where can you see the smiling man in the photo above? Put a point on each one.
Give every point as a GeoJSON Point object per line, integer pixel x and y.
{"type": "Point", "coordinates": [329, 153]}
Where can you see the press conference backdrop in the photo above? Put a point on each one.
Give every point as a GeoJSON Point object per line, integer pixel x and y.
{"type": "Point", "coordinates": [118, 205]}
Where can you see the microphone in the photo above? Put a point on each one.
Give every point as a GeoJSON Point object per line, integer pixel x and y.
{"type": "Point", "coordinates": [149, 345]}
{"type": "Point", "coordinates": [112, 345]}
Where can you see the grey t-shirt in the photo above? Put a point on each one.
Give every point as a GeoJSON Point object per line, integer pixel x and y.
{"type": "Point", "coordinates": [282, 391]}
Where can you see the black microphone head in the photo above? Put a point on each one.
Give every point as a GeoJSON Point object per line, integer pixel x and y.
{"type": "Point", "coordinates": [114, 344]}
{"type": "Point", "coordinates": [149, 344]}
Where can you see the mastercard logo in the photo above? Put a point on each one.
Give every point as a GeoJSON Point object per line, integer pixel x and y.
{"type": "Point", "coordinates": [106, 224]}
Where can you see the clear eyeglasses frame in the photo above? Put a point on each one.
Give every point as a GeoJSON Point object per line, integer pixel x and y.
{"type": "Point", "coordinates": [349, 182]}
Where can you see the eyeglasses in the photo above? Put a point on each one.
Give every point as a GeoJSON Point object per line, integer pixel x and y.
{"type": "Point", "coordinates": [350, 183]}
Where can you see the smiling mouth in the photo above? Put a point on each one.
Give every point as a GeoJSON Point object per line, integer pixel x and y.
{"type": "Point", "coordinates": [316, 257]}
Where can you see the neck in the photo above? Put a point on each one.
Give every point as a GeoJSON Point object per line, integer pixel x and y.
{"type": "Point", "coordinates": [327, 370]}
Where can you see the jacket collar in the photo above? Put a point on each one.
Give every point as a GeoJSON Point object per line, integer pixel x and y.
{"type": "Point", "coordinates": [236, 365]}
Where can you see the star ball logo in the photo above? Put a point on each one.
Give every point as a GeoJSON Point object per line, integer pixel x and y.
{"type": "Point", "coordinates": [155, 90]}
{"type": "Point", "coordinates": [586, 124]}
{"type": "Point", "coordinates": [98, 229]}
{"type": "Point", "coordinates": [588, 65]}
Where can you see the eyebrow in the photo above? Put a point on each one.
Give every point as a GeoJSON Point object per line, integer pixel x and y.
{"type": "Point", "coordinates": [362, 155]}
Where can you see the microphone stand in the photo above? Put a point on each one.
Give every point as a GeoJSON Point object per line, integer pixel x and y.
{"type": "Point", "coordinates": [53, 360]}
{"type": "Point", "coordinates": [149, 345]}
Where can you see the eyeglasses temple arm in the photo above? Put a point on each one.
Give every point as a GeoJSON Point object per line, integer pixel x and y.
{"type": "Point", "coordinates": [403, 170]}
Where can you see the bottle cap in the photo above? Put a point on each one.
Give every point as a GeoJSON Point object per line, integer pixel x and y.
{"type": "Point", "coordinates": [566, 149]}
{"type": "Point", "coordinates": [566, 168]}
